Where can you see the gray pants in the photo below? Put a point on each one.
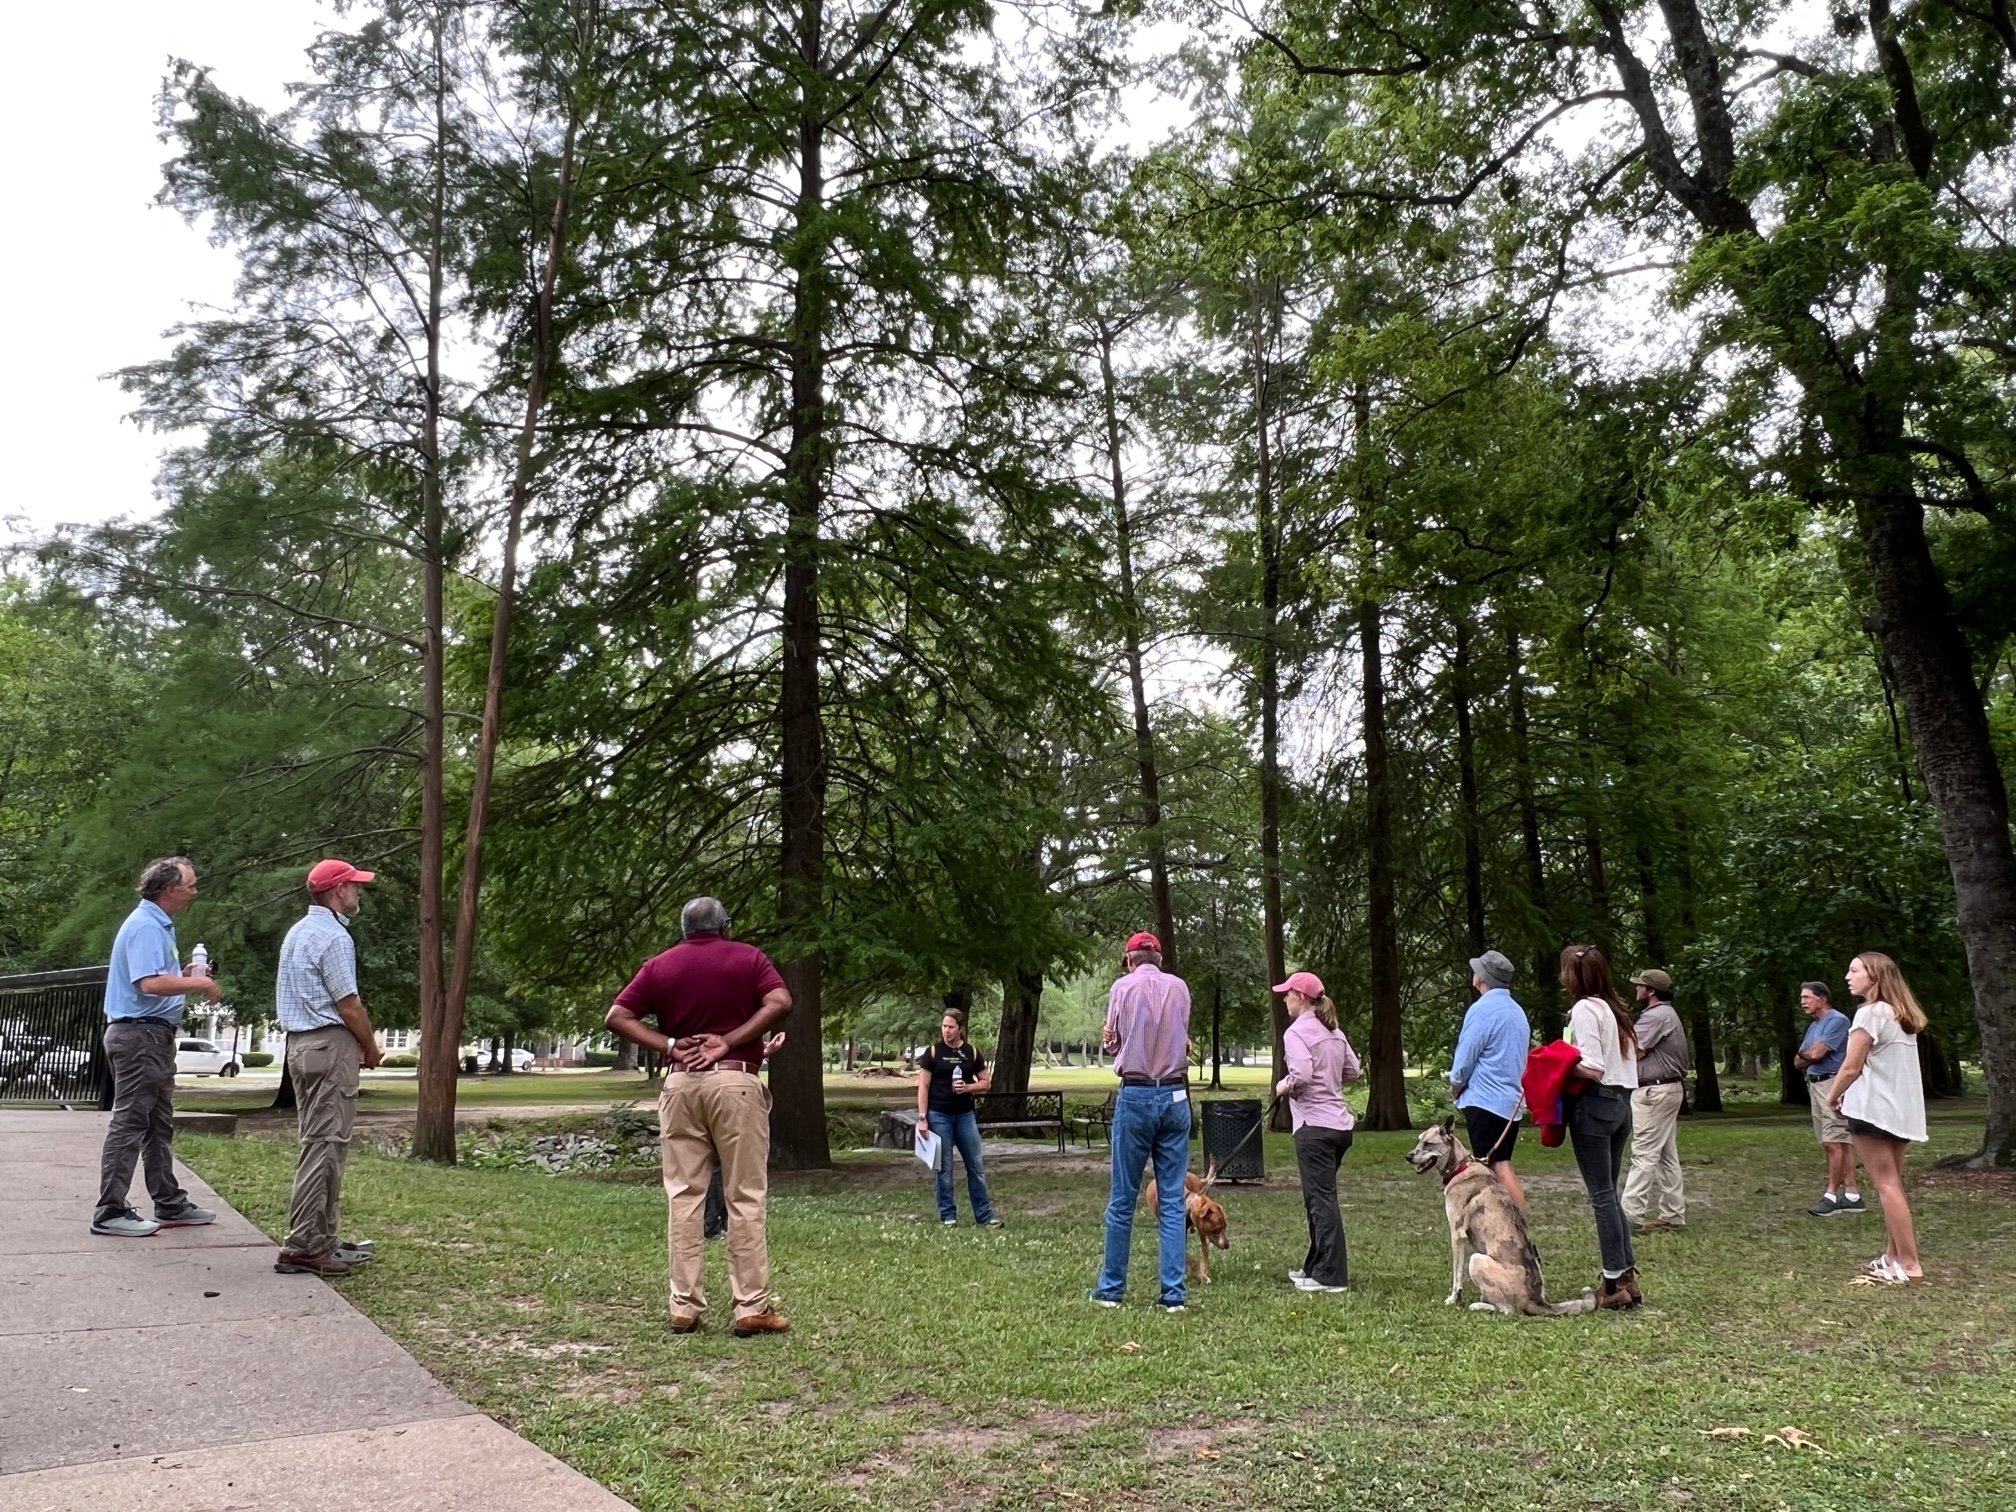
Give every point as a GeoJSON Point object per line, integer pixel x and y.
{"type": "Point", "coordinates": [323, 1063]}
{"type": "Point", "coordinates": [141, 1053]}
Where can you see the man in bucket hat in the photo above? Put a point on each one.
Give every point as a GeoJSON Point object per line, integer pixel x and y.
{"type": "Point", "coordinates": [1490, 1060]}
{"type": "Point", "coordinates": [1148, 1033]}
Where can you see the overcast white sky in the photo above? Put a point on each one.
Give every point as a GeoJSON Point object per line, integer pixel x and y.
{"type": "Point", "coordinates": [94, 270]}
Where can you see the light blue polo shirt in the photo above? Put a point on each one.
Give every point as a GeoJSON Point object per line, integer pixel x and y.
{"type": "Point", "coordinates": [144, 947]}
{"type": "Point", "coordinates": [1491, 1054]}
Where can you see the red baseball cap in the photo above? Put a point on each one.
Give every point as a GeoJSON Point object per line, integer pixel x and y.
{"type": "Point", "coordinates": [324, 875]}
{"type": "Point", "coordinates": [1144, 941]}
{"type": "Point", "coordinates": [1305, 982]}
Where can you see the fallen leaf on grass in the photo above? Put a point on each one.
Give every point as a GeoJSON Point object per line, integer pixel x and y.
{"type": "Point", "coordinates": [1723, 1432]}
{"type": "Point", "coordinates": [1833, 1322]}
{"type": "Point", "coordinates": [1210, 1454]}
{"type": "Point", "coordinates": [1794, 1439]}
{"type": "Point", "coordinates": [1130, 1347]}
{"type": "Point", "coordinates": [1395, 1370]}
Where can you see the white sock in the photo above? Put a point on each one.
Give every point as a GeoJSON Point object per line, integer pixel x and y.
{"type": "Point", "coordinates": [1830, 1195]}
{"type": "Point", "coordinates": [1852, 1195]}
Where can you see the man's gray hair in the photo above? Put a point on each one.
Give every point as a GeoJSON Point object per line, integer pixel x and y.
{"type": "Point", "coordinates": [156, 877]}
{"type": "Point", "coordinates": [703, 916]}
{"type": "Point", "coordinates": [1819, 989]}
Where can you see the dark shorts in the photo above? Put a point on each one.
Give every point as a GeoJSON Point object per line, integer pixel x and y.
{"type": "Point", "coordinates": [1870, 1131]}
{"type": "Point", "coordinates": [1490, 1132]}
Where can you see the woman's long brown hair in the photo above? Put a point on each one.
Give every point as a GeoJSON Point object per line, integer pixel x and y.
{"type": "Point", "coordinates": [1585, 972]}
{"type": "Point", "coordinates": [1887, 984]}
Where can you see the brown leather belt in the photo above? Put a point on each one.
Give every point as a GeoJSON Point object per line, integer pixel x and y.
{"type": "Point", "coordinates": [1662, 1081]}
{"type": "Point", "coordinates": [721, 1065]}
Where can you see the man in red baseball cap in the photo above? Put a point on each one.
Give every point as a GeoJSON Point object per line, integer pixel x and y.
{"type": "Point", "coordinates": [329, 1036]}
{"type": "Point", "coordinates": [1148, 1031]}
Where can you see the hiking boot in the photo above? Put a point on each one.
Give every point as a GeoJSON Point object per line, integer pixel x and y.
{"type": "Point", "coordinates": [1628, 1283]}
{"type": "Point", "coordinates": [1613, 1296]}
{"type": "Point", "coordinates": [1826, 1207]}
{"type": "Point", "coordinates": [125, 1225]}
{"type": "Point", "coordinates": [294, 1263]}
{"type": "Point", "coordinates": [761, 1323]}
{"type": "Point", "coordinates": [1853, 1204]}
{"type": "Point", "coordinates": [187, 1216]}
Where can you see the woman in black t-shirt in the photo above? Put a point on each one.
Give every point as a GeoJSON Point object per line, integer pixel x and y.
{"type": "Point", "coordinates": [948, 1074]}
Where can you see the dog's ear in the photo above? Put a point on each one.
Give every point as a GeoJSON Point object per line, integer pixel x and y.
{"type": "Point", "coordinates": [1449, 1124]}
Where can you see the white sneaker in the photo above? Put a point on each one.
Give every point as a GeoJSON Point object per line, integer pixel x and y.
{"type": "Point", "coordinates": [1296, 1275]}
{"type": "Point", "coordinates": [1311, 1284]}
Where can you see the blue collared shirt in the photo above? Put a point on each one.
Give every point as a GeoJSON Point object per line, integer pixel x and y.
{"type": "Point", "coordinates": [1832, 1029]}
{"type": "Point", "coordinates": [144, 947]}
{"type": "Point", "coordinates": [318, 969]}
{"type": "Point", "coordinates": [1491, 1054]}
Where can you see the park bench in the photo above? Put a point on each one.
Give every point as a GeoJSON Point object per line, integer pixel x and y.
{"type": "Point", "coordinates": [1097, 1120]}
{"type": "Point", "coordinates": [997, 1112]}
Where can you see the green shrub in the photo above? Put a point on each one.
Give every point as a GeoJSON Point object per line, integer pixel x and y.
{"type": "Point", "coordinates": [601, 1057]}
{"type": "Point", "coordinates": [257, 1057]}
{"type": "Point", "coordinates": [400, 1062]}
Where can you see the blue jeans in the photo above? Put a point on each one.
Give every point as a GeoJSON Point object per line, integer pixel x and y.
{"type": "Point", "coordinates": [961, 1131]}
{"type": "Point", "coordinates": [1150, 1124]}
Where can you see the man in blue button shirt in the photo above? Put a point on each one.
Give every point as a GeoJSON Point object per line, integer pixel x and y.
{"type": "Point", "coordinates": [1819, 1057]}
{"type": "Point", "coordinates": [143, 1009]}
{"type": "Point", "coordinates": [1485, 1075]}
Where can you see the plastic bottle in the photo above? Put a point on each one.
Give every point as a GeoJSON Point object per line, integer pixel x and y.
{"type": "Point", "coordinates": [199, 961]}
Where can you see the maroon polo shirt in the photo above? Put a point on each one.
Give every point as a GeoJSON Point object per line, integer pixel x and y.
{"type": "Point", "coordinates": [705, 985]}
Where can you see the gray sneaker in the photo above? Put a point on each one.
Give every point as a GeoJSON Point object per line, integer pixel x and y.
{"type": "Point", "coordinates": [1826, 1207]}
{"type": "Point", "coordinates": [190, 1216]}
{"type": "Point", "coordinates": [126, 1225]}
{"type": "Point", "coordinates": [1853, 1204]}
{"type": "Point", "coordinates": [351, 1254]}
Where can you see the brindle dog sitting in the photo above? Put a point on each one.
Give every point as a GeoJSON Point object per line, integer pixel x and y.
{"type": "Point", "coordinates": [1202, 1216]}
{"type": "Point", "coordinates": [1486, 1224]}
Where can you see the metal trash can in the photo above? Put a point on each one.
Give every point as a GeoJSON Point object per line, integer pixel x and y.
{"type": "Point", "coordinates": [1232, 1138]}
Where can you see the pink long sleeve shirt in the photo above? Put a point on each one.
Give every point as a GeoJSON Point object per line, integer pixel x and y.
{"type": "Point", "coordinates": [1320, 1061]}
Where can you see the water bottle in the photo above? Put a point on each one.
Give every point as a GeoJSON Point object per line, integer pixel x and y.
{"type": "Point", "coordinates": [199, 961]}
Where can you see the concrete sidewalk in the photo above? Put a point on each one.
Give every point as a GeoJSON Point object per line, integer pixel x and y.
{"type": "Point", "coordinates": [180, 1371]}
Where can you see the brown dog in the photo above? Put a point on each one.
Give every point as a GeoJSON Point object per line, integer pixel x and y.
{"type": "Point", "coordinates": [1201, 1216]}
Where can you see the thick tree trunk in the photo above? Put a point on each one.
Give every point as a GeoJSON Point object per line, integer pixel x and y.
{"type": "Point", "coordinates": [1268, 529]}
{"type": "Point", "coordinates": [626, 1055]}
{"type": "Point", "coordinates": [1466, 783]}
{"type": "Point", "coordinates": [1021, 1004]}
{"type": "Point", "coordinates": [1147, 771]}
{"type": "Point", "coordinates": [1542, 996]}
{"type": "Point", "coordinates": [797, 1088]}
{"type": "Point", "coordinates": [1791, 1022]}
{"type": "Point", "coordinates": [434, 1118]}
{"type": "Point", "coordinates": [1386, 1104]}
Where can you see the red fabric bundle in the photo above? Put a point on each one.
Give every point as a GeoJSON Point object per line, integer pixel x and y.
{"type": "Point", "coordinates": [1546, 1084]}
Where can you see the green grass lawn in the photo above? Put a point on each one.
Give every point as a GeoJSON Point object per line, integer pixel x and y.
{"type": "Point", "coordinates": [933, 1368]}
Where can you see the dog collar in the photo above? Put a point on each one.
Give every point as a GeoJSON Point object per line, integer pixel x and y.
{"type": "Point", "coordinates": [1457, 1172]}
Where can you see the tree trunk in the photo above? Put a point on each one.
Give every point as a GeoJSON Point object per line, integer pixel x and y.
{"type": "Point", "coordinates": [463, 964]}
{"type": "Point", "coordinates": [1791, 1021]}
{"type": "Point", "coordinates": [1543, 996]}
{"type": "Point", "coordinates": [1466, 782]}
{"type": "Point", "coordinates": [1386, 1104]}
{"type": "Point", "coordinates": [626, 1055]}
{"type": "Point", "coordinates": [504, 1065]}
{"type": "Point", "coordinates": [1021, 1005]}
{"type": "Point", "coordinates": [1268, 530]}
{"type": "Point", "coordinates": [798, 1113]}
{"type": "Point", "coordinates": [1147, 771]}
{"type": "Point", "coordinates": [434, 1118]}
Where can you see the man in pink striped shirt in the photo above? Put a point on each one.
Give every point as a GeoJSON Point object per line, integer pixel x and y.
{"type": "Point", "coordinates": [1148, 1031]}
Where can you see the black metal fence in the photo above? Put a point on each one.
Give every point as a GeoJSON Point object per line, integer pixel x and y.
{"type": "Point", "coordinates": [52, 1039]}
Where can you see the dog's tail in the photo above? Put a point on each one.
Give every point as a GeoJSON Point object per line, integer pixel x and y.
{"type": "Point", "coordinates": [1584, 1303]}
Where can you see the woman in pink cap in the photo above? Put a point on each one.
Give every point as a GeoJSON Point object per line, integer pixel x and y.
{"type": "Point", "coordinates": [1320, 1061]}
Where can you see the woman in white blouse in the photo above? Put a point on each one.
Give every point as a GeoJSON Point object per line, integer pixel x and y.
{"type": "Point", "coordinates": [1880, 1092]}
{"type": "Point", "coordinates": [1599, 1115]}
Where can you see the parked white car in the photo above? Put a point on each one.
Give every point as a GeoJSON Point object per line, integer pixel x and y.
{"type": "Point", "coordinates": [521, 1058]}
{"type": "Point", "coordinates": [195, 1057]}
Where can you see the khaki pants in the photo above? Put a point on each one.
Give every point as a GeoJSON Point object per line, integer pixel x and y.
{"type": "Point", "coordinates": [1829, 1127]}
{"type": "Point", "coordinates": [1655, 1154]}
{"type": "Point", "coordinates": [323, 1064]}
{"type": "Point", "coordinates": [703, 1118]}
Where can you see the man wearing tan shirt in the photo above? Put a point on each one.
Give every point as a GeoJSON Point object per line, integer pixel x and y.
{"type": "Point", "coordinates": [1655, 1108]}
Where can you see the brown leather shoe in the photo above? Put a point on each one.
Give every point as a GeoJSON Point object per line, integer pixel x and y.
{"type": "Point", "coordinates": [1628, 1284]}
{"type": "Point", "coordinates": [761, 1323]}
{"type": "Point", "coordinates": [1613, 1296]}
{"type": "Point", "coordinates": [293, 1263]}
{"type": "Point", "coordinates": [683, 1323]}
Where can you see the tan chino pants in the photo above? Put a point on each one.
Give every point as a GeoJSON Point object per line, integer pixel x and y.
{"type": "Point", "coordinates": [323, 1064]}
{"type": "Point", "coordinates": [1655, 1154]}
{"type": "Point", "coordinates": [703, 1117]}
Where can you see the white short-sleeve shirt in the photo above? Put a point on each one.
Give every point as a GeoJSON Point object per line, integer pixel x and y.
{"type": "Point", "coordinates": [1592, 1029]}
{"type": "Point", "coordinates": [1890, 1092]}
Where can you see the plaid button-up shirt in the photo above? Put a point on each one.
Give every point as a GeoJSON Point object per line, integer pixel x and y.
{"type": "Point", "coordinates": [318, 969]}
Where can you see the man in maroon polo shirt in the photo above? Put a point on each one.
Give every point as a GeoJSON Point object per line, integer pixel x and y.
{"type": "Point", "coordinates": [714, 999]}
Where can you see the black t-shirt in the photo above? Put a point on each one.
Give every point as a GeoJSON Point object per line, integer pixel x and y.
{"type": "Point", "coordinates": [941, 1060]}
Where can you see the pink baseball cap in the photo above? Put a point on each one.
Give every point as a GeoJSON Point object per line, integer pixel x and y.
{"type": "Point", "coordinates": [324, 875]}
{"type": "Point", "coordinates": [1305, 982]}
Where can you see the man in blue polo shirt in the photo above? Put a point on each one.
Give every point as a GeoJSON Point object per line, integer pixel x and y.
{"type": "Point", "coordinates": [143, 1009]}
{"type": "Point", "coordinates": [1819, 1056]}
{"type": "Point", "coordinates": [1485, 1074]}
